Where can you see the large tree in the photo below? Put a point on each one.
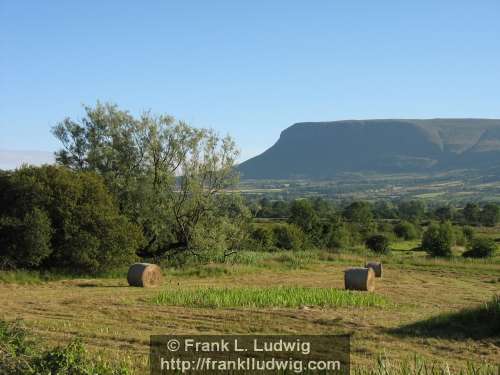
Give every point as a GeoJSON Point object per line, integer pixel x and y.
{"type": "Point", "coordinates": [165, 174]}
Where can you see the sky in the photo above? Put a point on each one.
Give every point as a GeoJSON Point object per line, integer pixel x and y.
{"type": "Point", "coordinates": [245, 68]}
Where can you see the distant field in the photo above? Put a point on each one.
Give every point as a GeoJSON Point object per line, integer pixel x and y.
{"type": "Point", "coordinates": [454, 186]}
{"type": "Point", "coordinates": [116, 320]}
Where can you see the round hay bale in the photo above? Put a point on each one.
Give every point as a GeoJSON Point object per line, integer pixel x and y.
{"type": "Point", "coordinates": [377, 268]}
{"type": "Point", "coordinates": [359, 279]}
{"type": "Point", "coordinates": [144, 275]}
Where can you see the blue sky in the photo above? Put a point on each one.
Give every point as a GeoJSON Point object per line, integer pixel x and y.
{"type": "Point", "coordinates": [247, 68]}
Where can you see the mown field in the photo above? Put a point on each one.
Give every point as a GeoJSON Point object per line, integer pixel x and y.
{"type": "Point", "coordinates": [271, 293]}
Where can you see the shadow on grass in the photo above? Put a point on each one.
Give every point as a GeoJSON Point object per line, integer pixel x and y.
{"type": "Point", "coordinates": [475, 323]}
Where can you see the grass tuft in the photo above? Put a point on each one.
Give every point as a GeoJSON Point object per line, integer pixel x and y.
{"type": "Point", "coordinates": [287, 297]}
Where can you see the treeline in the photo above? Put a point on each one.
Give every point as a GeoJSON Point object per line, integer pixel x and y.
{"type": "Point", "coordinates": [323, 224]}
{"type": "Point", "coordinates": [487, 214]}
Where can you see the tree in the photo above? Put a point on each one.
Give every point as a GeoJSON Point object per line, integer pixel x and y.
{"type": "Point", "coordinates": [490, 215]}
{"type": "Point", "coordinates": [406, 230]}
{"type": "Point", "coordinates": [378, 243]}
{"type": "Point", "coordinates": [359, 212]}
{"type": "Point", "coordinates": [263, 237]}
{"type": "Point", "coordinates": [304, 216]}
{"type": "Point", "coordinates": [411, 210]}
{"type": "Point", "coordinates": [481, 248]}
{"type": "Point", "coordinates": [438, 239]}
{"type": "Point", "coordinates": [444, 213]}
{"type": "Point", "coordinates": [165, 174]}
{"type": "Point", "coordinates": [55, 218]}
{"type": "Point", "coordinates": [288, 237]}
{"type": "Point", "coordinates": [339, 236]}
{"type": "Point", "coordinates": [471, 213]}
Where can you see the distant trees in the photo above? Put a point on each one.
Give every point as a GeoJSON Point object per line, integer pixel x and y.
{"type": "Point", "coordinates": [481, 248]}
{"type": "Point", "coordinates": [471, 213]}
{"type": "Point", "coordinates": [358, 212]}
{"type": "Point", "coordinates": [165, 174]}
{"type": "Point", "coordinates": [438, 239]}
{"type": "Point", "coordinates": [489, 215]}
{"type": "Point", "coordinates": [406, 230]}
{"type": "Point", "coordinates": [413, 210]}
{"type": "Point", "coordinates": [378, 243]}
{"type": "Point", "coordinates": [54, 218]}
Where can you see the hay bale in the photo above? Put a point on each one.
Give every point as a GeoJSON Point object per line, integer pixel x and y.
{"type": "Point", "coordinates": [377, 268]}
{"type": "Point", "coordinates": [359, 279]}
{"type": "Point", "coordinates": [144, 275]}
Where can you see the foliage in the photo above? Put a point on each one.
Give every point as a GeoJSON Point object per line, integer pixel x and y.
{"type": "Point", "coordinates": [263, 237]}
{"type": "Point", "coordinates": [53, 217]}
{"type": "Point", "coordinates": [471, 213]}
{"type": "Point", "coordinates": [339, 236]}
{"type": "Point", "coordinates": [378, 243]}
{"type": "Point", "coordinates": [406, 230]}
{"type": "Point", "coordinates": [165, 174]}
{"type": "Point", "coordinates": [481, 248]}
{"type": "Point", "coordinates": [288, 237]}
{"type": "Point", "coordinates": [413, 210]}
{"type": "Point", "coordinates": [444, 213]}
{"type": "Point", "coordinates": [358, 212]}
{"type": "Point", "coordinates": [490, 214]}
{"type": "Point", "coordinates": [305, 216]}
{"type": "Point", "coordinates": [438, 239]}
{"type": "Point", "coordinates": [20, 356]}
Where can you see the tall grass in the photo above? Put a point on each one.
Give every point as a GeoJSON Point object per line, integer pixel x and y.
{"type": "Point", "coordinates": [288, 297]}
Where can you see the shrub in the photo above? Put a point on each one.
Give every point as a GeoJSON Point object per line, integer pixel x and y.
{"type": "Point", "coordinates": [19, 356]}
{"type": "Point", "coordinates": [263, 237]}
{"type": "Point", "coordinates": [469, 233]}
{"type": "Point", "coordinates": [406, 230]}
{"type": "Point", "coordinates": [378, 243]}
{"type": "Point", "coordinates": [338, 237]}
{"type": "Point", "coordinates": [55, 218]}
{"type": "Point", "coordinates": [481, 248]}
{"type": "Point", "coordinates": [438, 239]}
{"type": "Point", "coordinates": [288, 237]}
{"type": "Point", "coordinates": [490, 215]}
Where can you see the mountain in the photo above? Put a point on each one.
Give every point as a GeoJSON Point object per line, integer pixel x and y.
{"type": "Point", "coordinates": [319, 150]}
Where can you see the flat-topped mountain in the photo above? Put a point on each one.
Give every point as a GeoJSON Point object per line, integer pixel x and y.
{"type": "Point", "coordinates": [324, 149]}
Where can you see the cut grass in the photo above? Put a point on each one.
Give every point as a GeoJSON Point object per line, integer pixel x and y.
{"type": "Point", "coordinates": [286, 297]}
{"type": "Point", "coordinates": [477, 323]}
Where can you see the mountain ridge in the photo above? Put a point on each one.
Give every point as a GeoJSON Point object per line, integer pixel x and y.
{"type": "Point", "coordinates": [324, 149]}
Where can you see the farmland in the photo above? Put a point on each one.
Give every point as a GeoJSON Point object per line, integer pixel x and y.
{"type": "Point", "coordinates": [116, 321]}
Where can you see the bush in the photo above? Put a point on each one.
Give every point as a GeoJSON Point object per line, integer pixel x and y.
{"type": "Point", "coordinates": [469, 233]}
{"type": "Point", "coordinates": [378, 243]}
{"type": "Point", "coordinates": [288, 237]}
{"type": "Point", "coordinates": [438, 239]}
{"type": "Point", "coordinates": [19, 356]}
{"type": "Point", "coordinates": [55, 218]}
{"type": "Point", "coordinates": [481, 248]}
{"type": "Point", "coordinates": [338, 237]}
{"type": "Point", "coordinates": [490, 215]}
{"type": "Point", "coordinates": [263, 237]}
{"type": "Point", "coordinates": [406, 230]}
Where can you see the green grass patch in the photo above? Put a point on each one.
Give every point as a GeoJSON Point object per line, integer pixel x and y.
{"type": "Point", "coordinates": [287, 297]}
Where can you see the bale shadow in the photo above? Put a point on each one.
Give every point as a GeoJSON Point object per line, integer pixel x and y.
{"type": "Point", "coordinates": [96, 285]}
{"type": "Point", "coordinates": [482, 322]}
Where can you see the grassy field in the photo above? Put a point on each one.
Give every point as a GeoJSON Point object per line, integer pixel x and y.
{"type": "Point", "coordinates": [421, 306]}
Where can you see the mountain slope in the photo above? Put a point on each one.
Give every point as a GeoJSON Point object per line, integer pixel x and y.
{"type": "Point", "coordinates": [324, 149]}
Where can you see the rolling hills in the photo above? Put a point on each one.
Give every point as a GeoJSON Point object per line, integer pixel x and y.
{"type": "Point", "coordinates": [321, 150]}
